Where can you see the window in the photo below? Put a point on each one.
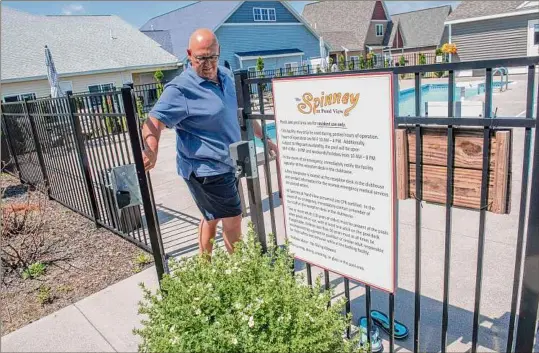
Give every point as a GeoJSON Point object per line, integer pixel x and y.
{"type": "Point", "coordinates": [536, 34]}
{"type": "Point", "coordinates": [291, 68]}
{"type": "Point", "coordinates": [354, 59]}
{"type": "Point", "coordinates": [9, 99]}
{"type": "Point", "coordinates": [379, 30]}
{"type": "Point", "coordinates": [29, 96]}
{"type": "Point", "coordinates": [264, 14]}
{"type": "Point", "coordinates": [66, 86]}
{"type": "Point", "coordinates": [19, 97]}
{"type": "Point", "coordinates": [107, 87]}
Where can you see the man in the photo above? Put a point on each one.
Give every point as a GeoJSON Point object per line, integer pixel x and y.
{"type": "Point", "coordinates": [200, 104]}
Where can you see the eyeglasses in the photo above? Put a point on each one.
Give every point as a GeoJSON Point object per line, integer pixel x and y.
{"type": "Point", "coordinates": [210, 59]}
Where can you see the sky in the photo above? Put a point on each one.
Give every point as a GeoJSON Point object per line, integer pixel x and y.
{"type": "Point", "coordinates": [138, 12]}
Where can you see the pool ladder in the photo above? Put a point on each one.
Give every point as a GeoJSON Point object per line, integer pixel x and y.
{"type": "Point", "coordinates": [504, 73]}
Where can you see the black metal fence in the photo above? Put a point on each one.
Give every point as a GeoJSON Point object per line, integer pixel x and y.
{"type": "Point", "coordinates": [147, 95]}
{"type": "Point", "coordinates": [67, 147]}
{"type": "Point", "coordinates": [523, 307]}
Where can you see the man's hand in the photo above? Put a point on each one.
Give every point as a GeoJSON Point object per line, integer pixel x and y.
{"type": "Point", "coordinates": [273, 149]}
{"type": "Point", "coordinates": [150, 158]}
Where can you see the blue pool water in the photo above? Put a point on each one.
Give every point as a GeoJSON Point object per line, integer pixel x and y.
{"type": "Point", "coordinates": [429, 93]}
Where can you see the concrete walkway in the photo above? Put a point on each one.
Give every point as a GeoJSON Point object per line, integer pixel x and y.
{"type": "Point", "coordinates": [102, 322]}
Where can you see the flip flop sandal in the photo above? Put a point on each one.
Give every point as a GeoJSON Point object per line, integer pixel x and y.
{"type": "Point", "coordinates": [382, 320]}
{"type": "Point", "coordinates": [376, 342]}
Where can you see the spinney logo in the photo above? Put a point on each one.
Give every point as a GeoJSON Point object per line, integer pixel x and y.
{"type": "Point", "coordinates": [328, 103]}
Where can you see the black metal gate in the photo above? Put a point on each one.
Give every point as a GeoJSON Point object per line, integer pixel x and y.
{"type": "Point", "coordinates": [525, 291]}
{"type": "Point", "coordinates": [67, 148]}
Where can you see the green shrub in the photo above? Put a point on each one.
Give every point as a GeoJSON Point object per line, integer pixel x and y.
{"type": "Point", "coordinates": [422, 59]}
{"type": "Point", "coordinates": [244, 302]}
{"type": "Point", "coordinates": [35, 270]}
{"type": "Point", "coordinates": [362, 63]}
{"type": "Point", "coordinates": [342, 63]}
{"type": "Point", "coordinates": [44, 295]}
{"type": "Point", "coordinates": [402, 61]}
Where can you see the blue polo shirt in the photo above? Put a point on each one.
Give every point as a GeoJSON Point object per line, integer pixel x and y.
{"type": "Point", "coordinates": [204, 115]}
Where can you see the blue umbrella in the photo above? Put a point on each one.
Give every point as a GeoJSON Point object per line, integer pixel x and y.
{"type": "Point", "coordinates": [52, 75]}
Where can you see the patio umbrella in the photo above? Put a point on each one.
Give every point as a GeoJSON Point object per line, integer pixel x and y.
{"type": "Point", "coordinates": [323, 54]}
{"type": "Point", "coordinates": [52, 75]}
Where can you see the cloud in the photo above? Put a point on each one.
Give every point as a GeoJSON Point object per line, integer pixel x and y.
{"type": "Point", "coordinates": [72, 9]}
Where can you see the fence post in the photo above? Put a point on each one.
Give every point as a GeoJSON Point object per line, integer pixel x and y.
{"type": "Point", "coordinates": [82, 156]}
{"type": "Point", "coordinates": [38, 149]}
{"type": "Point", "coordinates": [12, 151]}
{"type": "Point", "coordinates": [247, 134]}
{"type": "Point", "coordinates": [529, 298]}
{"type": "Point", "coordinates": [133, 127]}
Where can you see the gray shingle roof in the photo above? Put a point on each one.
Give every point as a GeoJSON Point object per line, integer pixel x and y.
{"type": "Point", "coordinates": [341, 23]}
{"type": "Point", "coordinates": [79, 44]}
{"type": "Point", "coordinates": [471, 9]}
{"type": "Point", "coordinates": [182, 22]}
{"type": "Point", "coordinates": [161, 37]}
{"type": "Point", "coordinates": [421, 28]}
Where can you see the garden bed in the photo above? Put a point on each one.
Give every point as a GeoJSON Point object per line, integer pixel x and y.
{"type": "Point", "coordinates": [55, 258]}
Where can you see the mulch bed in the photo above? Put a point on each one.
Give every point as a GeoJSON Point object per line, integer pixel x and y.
{"type": "Point", "coordinates": [79, 258]}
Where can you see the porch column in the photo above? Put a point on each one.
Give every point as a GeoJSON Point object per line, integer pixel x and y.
{"type": "Point", "coordinates": [449, 35]}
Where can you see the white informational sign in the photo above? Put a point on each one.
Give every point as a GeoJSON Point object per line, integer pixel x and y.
{"type": "Point", "coordinates": [336, 146]}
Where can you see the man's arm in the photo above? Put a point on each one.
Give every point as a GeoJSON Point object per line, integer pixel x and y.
{"type": "Point", "coordinates": [170, 110]}
{"type": "Point", "coordinates": [151, 133]}
{"type": "Point", "coordinates": [258, 133]}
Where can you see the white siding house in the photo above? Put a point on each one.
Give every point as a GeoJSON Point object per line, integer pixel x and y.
{"type": "Point", "coordinates": [91, 53]}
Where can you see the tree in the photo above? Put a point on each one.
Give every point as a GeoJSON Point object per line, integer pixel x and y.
{"type": "Point", "coordinates": [260, 64]}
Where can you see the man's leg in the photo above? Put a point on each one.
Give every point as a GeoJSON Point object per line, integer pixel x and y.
{"type": "Point", "coordinates": [232, 232]}
{"type": "Point", "coordinates": [206, 233]}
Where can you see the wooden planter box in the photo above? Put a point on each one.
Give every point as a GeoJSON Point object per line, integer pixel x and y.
{"type": "Point", "coordinates": [468, 165]}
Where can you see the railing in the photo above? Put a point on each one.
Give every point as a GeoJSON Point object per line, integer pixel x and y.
{"type": "Point", "coordinates": [147, 95]}
{"type": "Point", "coordinates": [66, 147]}
{"type": "Point", "coordinates": [524, 308]}
{"type": "Point", "coordinates": [377, 62]}
{"type": "Point", "coordinates": [504, 73]}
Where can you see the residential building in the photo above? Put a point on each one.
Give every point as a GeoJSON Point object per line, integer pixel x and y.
{"type": "Point", "coordinates": [418, 31]}
{"type": "Point", "coordinates": [91, 53]}
{"type": "Point", "coordinates": [354, 28]}
{"type": "Point", "coordinates": [246, 30]}
{"type": "Point", "coordinates": [494, 30]}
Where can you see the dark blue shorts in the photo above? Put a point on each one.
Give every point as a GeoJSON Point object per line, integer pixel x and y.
{"type": "Point", "coordinates": [216, 196]}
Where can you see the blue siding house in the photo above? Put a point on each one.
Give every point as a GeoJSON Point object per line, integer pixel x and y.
{"type": "Point", "coordinates": [246, 30]}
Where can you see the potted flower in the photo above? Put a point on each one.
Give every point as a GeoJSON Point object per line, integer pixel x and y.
{"type": "Point", "coordinates": [449, 48]}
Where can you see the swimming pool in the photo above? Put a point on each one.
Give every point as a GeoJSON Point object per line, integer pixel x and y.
{"type": "Point", "coordinates": [429, 93]}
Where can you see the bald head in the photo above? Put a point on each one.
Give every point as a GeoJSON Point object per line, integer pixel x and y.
{"type": "Point", "coordinates": [202, 37]}
{"type": "Point", "coordinates": [203, 53]}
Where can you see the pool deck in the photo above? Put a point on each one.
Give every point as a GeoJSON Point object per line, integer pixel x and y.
{"type": "Point", "coordinates": [179, 218]}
